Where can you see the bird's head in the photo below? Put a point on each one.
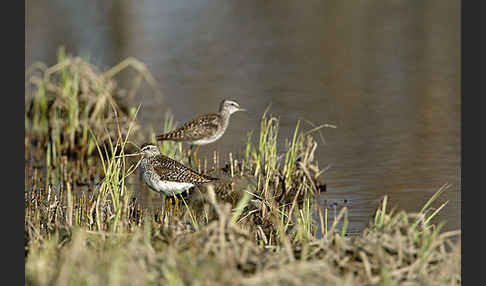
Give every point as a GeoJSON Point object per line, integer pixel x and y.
{"type": "Point", "coordinates": [230, 106]}
{"type": "Point", "coordinates": [149, 149]}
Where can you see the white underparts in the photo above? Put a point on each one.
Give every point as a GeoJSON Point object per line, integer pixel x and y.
{"type": "Point", "coordinates": [173, 187]}
{"type": "Point", "coordinates": [207, 140]}
{"type": "Point", "coordinates": [170, 188]}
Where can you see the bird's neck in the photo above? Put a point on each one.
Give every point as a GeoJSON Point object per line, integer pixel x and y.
{"type": "Point", "coordinates": [225, 115]}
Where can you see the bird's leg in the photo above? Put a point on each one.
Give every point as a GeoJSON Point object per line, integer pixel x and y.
{"type": "Point", "coordinates": [163, 213]}
{"type": "Point", "coordinates": [176, 203]}
{"type": "Point", "coordinates": [195, 157]}
{"type": "Point", "coordinates": [163, 210]}
{"type": "Point", "coordinates": [189, 155]}
{"type": "Point", "coordinates": [167, 208]}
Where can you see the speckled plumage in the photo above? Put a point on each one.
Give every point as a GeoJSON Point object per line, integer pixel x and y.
{"type": "Point", "coordinates": [204, 129]}
{"type": "Point", "coordinates": [204, 126]}
{"type": "Point", "coordinates": [166, 175]}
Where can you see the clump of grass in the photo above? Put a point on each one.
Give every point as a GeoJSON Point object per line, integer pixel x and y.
{"type": "Point", "coordinates": [285, 188]}
{"type": "Point", "coordinates": [114, 182]}
{"type": "Point", "coordinates": [66, 100]}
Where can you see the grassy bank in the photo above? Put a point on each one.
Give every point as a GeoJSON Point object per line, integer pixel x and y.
{"type": "Point", "coordinates": [260, 224]}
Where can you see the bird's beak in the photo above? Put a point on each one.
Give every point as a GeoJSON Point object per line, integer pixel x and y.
{"type": "Point", "coordinates": [242, 109]}
{"type": "Point", "coordinates": [129, 155]}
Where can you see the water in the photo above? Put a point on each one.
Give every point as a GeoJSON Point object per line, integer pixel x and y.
{"type": "Point", "coordinates": [386, 74]}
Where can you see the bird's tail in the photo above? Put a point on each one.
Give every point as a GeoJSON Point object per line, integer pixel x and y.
{"type": "Point", "coordinates": [161, 137]}
{"type": "Point", "coordinates": [211, 179]}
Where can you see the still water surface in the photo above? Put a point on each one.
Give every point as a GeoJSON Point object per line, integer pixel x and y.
{"type": "Point", "coordinates": [386, 73]}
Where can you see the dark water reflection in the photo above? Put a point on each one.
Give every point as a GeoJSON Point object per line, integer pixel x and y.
{"type": "Point", "coordinates": [387, 73]}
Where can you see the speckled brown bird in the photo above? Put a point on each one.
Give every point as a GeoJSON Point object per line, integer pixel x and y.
{"type": "Point", "coordinates": [163, 174]}
{"type": "Point", "coordinates": [206, 128]}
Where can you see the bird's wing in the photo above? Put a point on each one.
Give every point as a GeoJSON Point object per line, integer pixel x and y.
{"type": "Point", "coordinates": [171, 170]}
{"type": "Point", "coordinates": [202, 126]}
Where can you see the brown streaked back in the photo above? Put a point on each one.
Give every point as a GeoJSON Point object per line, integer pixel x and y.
{"type": "Point", "coordinates": [201, 127]}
